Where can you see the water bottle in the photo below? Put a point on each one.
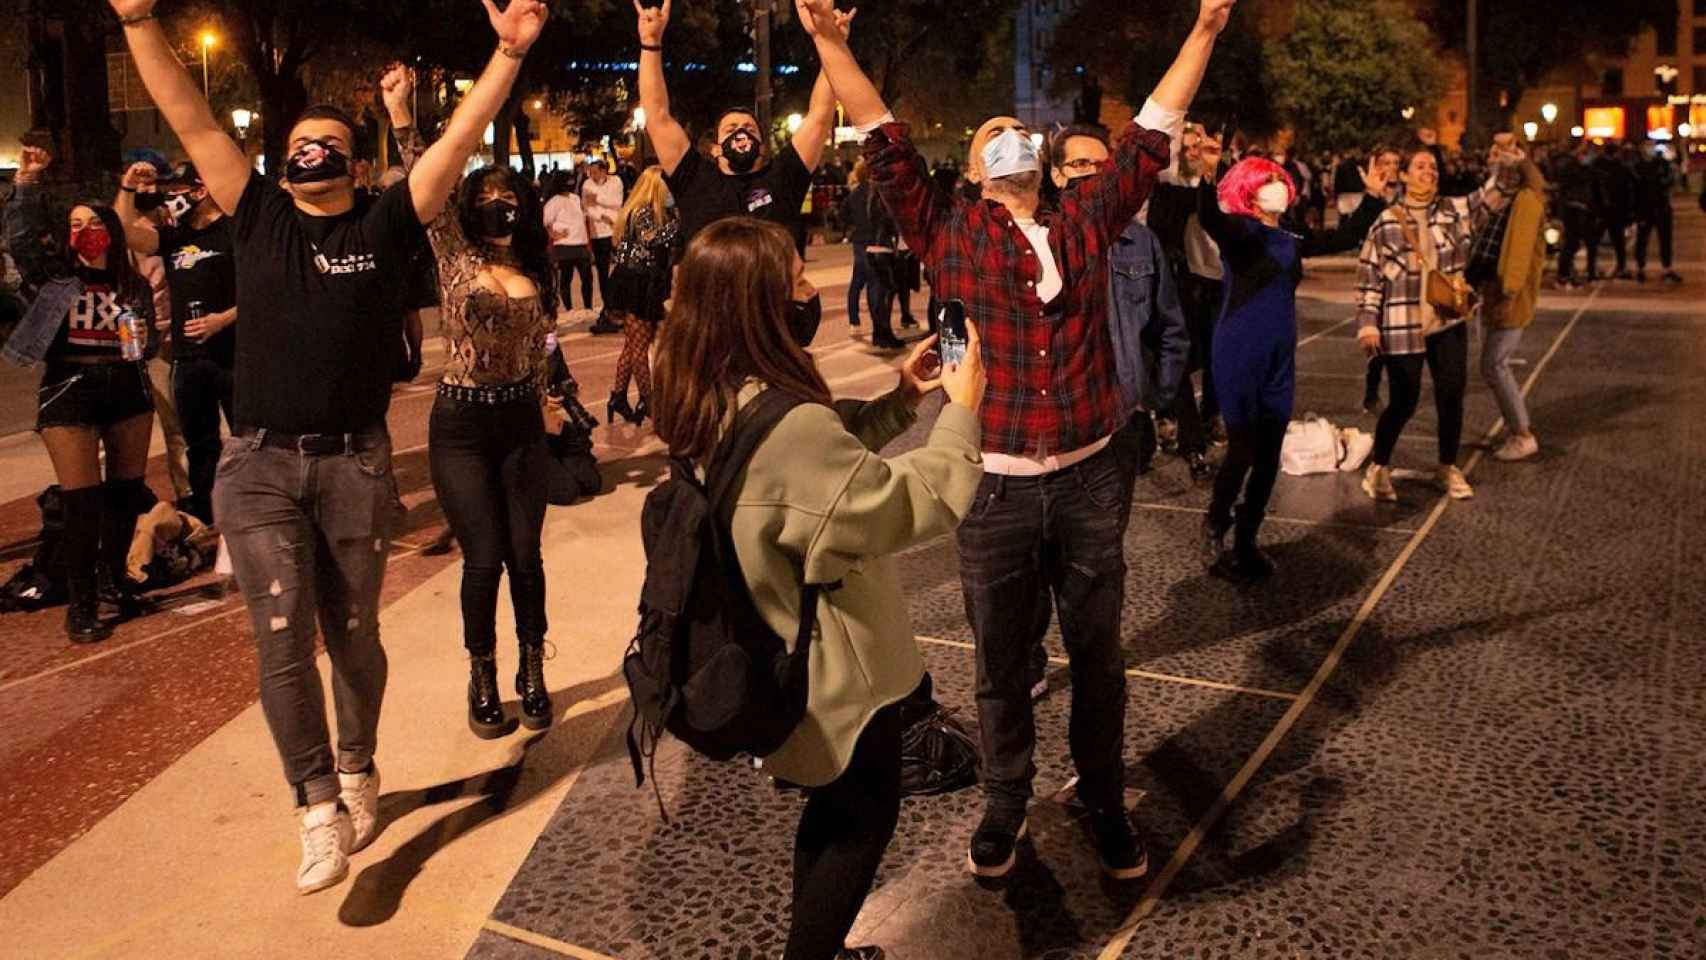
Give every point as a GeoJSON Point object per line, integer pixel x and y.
{"type": "Point", "coordinates": [132, 335]}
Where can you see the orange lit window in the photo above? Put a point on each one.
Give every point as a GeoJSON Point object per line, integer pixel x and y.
{"type": "Point", "coordinates": [1607, 122]}
{"type": "Point", "coordinates": [1660, 118]}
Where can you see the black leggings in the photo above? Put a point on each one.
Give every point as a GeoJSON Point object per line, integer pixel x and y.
{"type": "Point", "coordinates": [843, 832]}
{"type": "Point", "coordinates": [1253, 451]}
{"type": "Point", "coordinates": [1448, 360]}
{"type": "Point", "coordinates": [490, 469]}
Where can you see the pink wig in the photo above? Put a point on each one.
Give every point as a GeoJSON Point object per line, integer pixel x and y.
{"type": "Point", "coordinates": [1238, 188]}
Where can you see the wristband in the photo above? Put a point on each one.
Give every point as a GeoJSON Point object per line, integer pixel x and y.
{"type": "Point", "coordinates": [657, 48]}
{"type": "Point", "coordinates": [513, 53]}
{"type": "Point", "coordinates": [127, 189]}
{"type": "Point", "coordinates": [140, 18]}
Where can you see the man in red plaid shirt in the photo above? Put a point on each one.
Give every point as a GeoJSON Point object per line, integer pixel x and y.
{"type": "Point", "coordinates": [1034, 281]}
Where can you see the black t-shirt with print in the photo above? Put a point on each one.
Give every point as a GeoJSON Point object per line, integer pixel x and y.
{"type": "Point", "coordinates": [91, 325]}
{"type": "Point", "coordinates": [705, 194]}
{"type": "Point", "coordinates": [201, 266]}
{"type": "Point", "coordinates": [320, 304]}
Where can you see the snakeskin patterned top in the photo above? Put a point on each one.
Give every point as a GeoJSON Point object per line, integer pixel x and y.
{"type": "Point", "coordinates": [493, 338]}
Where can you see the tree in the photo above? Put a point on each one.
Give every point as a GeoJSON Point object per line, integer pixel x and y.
{"type": "Point", "coordinates": [1127, 46]}
{"type": "Point", "coordinates": [1524, 41]}
{"type": "Point", "coordinates": [926, 48]}
{"type": "Point", "coordinates": [1348, 69]}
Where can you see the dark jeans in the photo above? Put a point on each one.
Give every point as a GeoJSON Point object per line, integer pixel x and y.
{"type": "Point", "coordinates": [601, 253]}
{"type": "Point", "coordinates": [1201, 299]}
{"type": "Point", "coordinates": [309, 537]}
{"type": "Point", "coordinates": [491, 471]}
{"type": "Point", "coordinates": [856, 286]}
{"type": "Point", "coordinates": [1448, 360]}
{"type": "Point", "coordinates": [1253, 452]}
{"type": "Point", "coordinates": [1662, 221]}
{"type": "Point", "coordinates": [573, 262]}
{"type": "Point", "coordinates": [1614, 233]}
{"type": "Point", "coordinates": [1061, 532]}
{"type": "Point", "coordinates": [1581, 227]}
{"type": "Point", "coordinates": [843, 832]}
{"type": "Point", "coordinates": [880, 292]}
{"type": "Point", "coordinates": [202, 388]}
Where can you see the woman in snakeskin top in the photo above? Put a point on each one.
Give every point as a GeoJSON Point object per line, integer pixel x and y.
{"type": "Point", "coordinates": [486, 438]}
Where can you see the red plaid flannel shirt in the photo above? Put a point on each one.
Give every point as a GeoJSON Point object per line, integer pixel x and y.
{"type": "Point", "coordinates": [1053, 387]}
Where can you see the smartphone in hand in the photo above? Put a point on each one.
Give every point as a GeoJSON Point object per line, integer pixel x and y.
{"type": "Point", "coordinates": [951, 323]}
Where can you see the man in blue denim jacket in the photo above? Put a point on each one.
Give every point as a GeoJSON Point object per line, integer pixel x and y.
{"type": "Point", "coordinates": [1146, 326]}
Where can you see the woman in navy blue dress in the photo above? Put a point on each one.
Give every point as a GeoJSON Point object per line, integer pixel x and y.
{"type": "Point", "coordinates": [1255, 341]}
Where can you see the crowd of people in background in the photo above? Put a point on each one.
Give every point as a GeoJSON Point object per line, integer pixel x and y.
{"type": "Point", "coordinates": [1091, 275]}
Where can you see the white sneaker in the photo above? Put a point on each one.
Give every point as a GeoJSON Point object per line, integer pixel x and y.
{"type": "Point", "coordinates": [360, 794]}
{"type": "Point", "coordinates": [1377, 483]}
{"type": "Point", "coordinates": [1517, 448]}
{"type": "Point", "coordinates": [1452, 481]}
{"type": "Point", "coordinates": [326, 836]}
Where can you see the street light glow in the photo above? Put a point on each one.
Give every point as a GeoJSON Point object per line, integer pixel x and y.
{"type": "Point", "coordinates": [1577, 132]}
{"type": "Point", "coordinates": [241, 119]}
{"type": "Point", "coordinates": [639, 118]}
{"type": "Point", "coordinates": [208, 39]}
{"type": "Point", "coordinates": [1549, 112]}
{"type": "Point", "coordinates": [1685, 129]}
{"type": "Point", "coordinates": [1531, 129]}
{"type": "Point", "coordinates": [794, 122]}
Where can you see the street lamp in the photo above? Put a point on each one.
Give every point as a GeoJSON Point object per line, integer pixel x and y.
{"type": "Point", "coordinates": [1531, 130]}
{"type": "Point", "coordinates": [241, 119]}
{"type": "Point", "coordinates": [795, 121]}
{"type": "Point", "coordinates": [640, 134]}
{"type": "Point", "coordinates": [1549, 112]}
{"type": "Point", "coordinates": [1685, 130]}
{"type": "Point", "coordinates": [208, 40]}
{"type": "Point", "coordinates": [1577, 132]}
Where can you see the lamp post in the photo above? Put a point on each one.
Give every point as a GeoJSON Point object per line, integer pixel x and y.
{"type": "Point", "coordinates": [207, 42]}
{"type": "Point", "coordinates": [1549, 113]}
{"type": "Point", "coordinates": [242, 119]}
{"type": "Point", "coordinates": [640, 135]}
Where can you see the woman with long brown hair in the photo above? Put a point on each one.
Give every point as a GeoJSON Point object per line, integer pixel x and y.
{"type": "Point", "coordinates": [818, 504]}
{"type": "Point", "coordinates": [645, 237]}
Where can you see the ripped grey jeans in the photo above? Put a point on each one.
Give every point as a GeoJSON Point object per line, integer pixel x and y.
{"type": "Point", "coordinates": [309, 536]}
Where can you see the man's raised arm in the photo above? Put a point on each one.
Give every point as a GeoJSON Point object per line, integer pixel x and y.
{"type": "Point", "coordinates": [828, 29]}
{"type": "Point", "coordinates": [435, 174]}
{"type": "Point", "coordinates": [1178, 87]}
{"type": "Point", "coordinates": [668, 138]}
{"type": "Point", "coordinates": [216, 156]}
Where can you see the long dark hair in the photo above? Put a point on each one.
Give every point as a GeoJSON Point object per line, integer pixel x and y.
{"type": "Point", "coordinates": [530, 243]}
{"type": "Point", "coordinates": [728, 325]}
{"type": "Point", "coordinates": [133, 289]}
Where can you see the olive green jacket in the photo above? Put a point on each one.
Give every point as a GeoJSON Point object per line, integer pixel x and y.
{"type": "Point", "coordinates": [1511, 301]}
{"type": "Point", "coordinates": [818, 504]}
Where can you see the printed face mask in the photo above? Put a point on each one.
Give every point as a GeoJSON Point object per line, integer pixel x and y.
{"type": "Point", "coordinates": [740, 149]}
{"type": "Point", "coordinates": [497, 219]}
{"type": "Point", "coordinates": [179, 205]}
{"type": "Point", "coordinates": [91, 243]}
{"type": "Point", "coordinates": [316, 162]}
{"type": "Point", "coordinates": [804, 319]}
{"type": "Point", "coordinates": [1011, 152]}
{"type": "Point", "coordinates": [1273, 198]}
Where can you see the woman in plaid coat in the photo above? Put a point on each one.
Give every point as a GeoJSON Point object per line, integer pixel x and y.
{"type": "Point", "coordinates": [1393, 313]}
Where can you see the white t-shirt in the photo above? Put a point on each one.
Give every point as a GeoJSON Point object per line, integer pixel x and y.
{"type": "Point", "coordinates": [565, 221]}
{"type": "Point", "coordinates": [1050, 285]}
{"type": "Point", "coordinates": [602, 203]}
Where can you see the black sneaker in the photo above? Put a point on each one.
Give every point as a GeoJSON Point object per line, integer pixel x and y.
{"type": "Point", "coordinates": [1199, 465]}
{"type": "Point", "coordinates": [889, 342]}
{"type": "Point", "coordinates": [861, 953]}
{"type": "Point", "coordinates": [1122, 857]}
{"type": "Point", "coordinates": [1213, 542]}
{"type": "Point", "coordinates": [994, 846]}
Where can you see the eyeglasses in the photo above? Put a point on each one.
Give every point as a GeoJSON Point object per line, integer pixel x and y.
{"type": "Point", "coordinates": [1081, 166]}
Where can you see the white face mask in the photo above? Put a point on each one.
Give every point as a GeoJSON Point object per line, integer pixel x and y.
{"type": "Point", "coordinates": [1273, 198]}
{"type": "Point", "coordinates": [1011, 152]}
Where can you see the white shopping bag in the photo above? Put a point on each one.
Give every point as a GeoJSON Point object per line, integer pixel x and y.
{"type": "Point", "coordinates": [1311, 446]}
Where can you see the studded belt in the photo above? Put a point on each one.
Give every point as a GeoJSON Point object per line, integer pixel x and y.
{"type": "Point", "coordinates": [526, 390]}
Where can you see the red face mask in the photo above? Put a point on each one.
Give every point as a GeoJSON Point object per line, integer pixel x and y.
{"type": "Point", "coordinates": [91, 243]}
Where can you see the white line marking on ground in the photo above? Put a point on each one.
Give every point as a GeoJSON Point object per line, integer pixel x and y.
{"type": "Point", "coordinates": [543, 942]}
{"type": "Point", "coordinates": [1188, 847]}
{"type": "Point", "coordinates": [1179, 508]}
{"type": "Point", "coordinates": [1143, 674]}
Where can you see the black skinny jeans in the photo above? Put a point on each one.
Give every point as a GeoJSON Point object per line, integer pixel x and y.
{"type": "Point", "coordinates": [1661, 220]}
{"type": "Point", "coordinates": [573, 262]}
{"type": "Point", "coordinates": [202, 387]}
{"type": "Point", "coordinates": [1253, 452]}
{"type": "Point", "coordinates": [843, 832]}
{"type": "Point", "coordinates": [1448, 360]}
{"type": "Point", "coordinates": [603, 250]}
{"type": "Point", "coordinates": [490, 468]}
{"type": "Point", "coordinates": [880, 283]}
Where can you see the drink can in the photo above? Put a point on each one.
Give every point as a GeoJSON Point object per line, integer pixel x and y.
{"type": "Point", "coordinates": [132, 335]}
{"type": "Point", "coordinates": [197, 310]}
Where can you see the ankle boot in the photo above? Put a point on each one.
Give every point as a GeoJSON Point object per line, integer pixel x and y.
{"type": "Point", "coordinates": [536, 713]}
{"type": "Point", "coordinates": [83, 623]}
{"type": "Point", "coordinates": [642, 410]}
{"type": "Point", "coordinates": [485, 708]}
{"type": "Point", "coordinates": [619, 407]}
{"type": "Point", "coordinates": [1248, 560]}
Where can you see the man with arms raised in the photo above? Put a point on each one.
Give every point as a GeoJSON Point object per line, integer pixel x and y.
{"type": "Point", "coordinates": [1034, 279]}
{"type": "Point", "coordinates": [305, 493]}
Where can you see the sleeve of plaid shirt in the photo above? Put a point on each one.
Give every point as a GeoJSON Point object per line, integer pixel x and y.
{"type": "Point", "coordinates": [1371, 277]}
{"type": "Point", "coordinates": [903, 181]}
{"type": "Point", "coordinates": [1112, 198]}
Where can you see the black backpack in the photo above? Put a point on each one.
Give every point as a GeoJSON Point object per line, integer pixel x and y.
{"type": "Point", "coordinates": [704, 665]}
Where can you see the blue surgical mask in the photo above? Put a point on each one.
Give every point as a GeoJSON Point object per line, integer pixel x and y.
{"type": "Point", "coordinates": [1010, 153]}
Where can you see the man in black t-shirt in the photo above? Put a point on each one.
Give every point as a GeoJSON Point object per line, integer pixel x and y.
{"type": "Point", "coordinates": [305, 492]}
{"type": "Point", "coordinates": [201, 273]}
{"type": "Point", "coordinates": [740, 178]}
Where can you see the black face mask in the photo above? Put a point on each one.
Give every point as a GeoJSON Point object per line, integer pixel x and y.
{"type": "Point", "coordinates": [497, 219]}
{"type": "Point", "coordinates": [149, 202]}
{"type": "Point", "coordinates": [804, 319]}
{"type": "Point", "coordinates": [316, 162]}
{"type": "Point", "coordinates": [743, 158]}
